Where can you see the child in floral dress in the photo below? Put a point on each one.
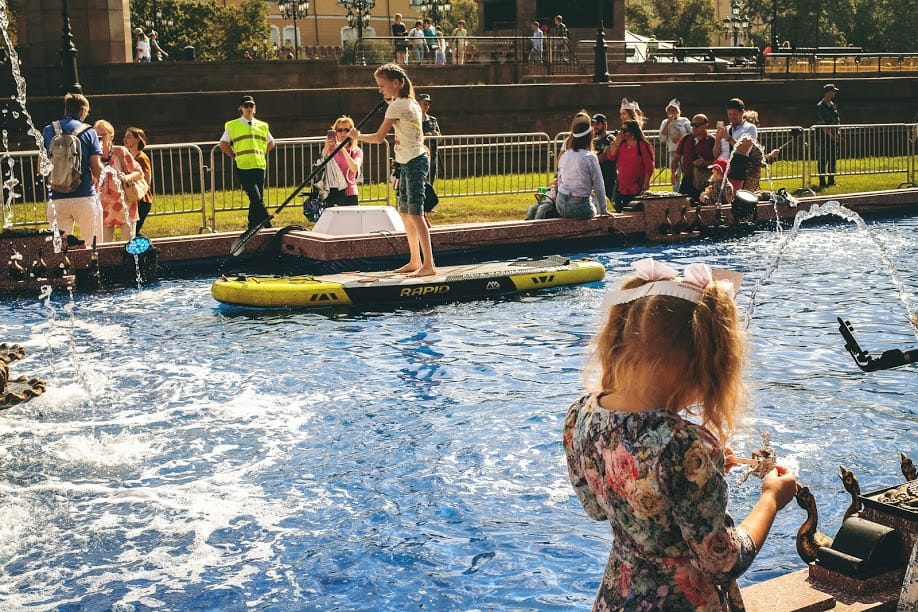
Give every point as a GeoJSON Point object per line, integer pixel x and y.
{"type": "Point", "coordinates": [669, 347]}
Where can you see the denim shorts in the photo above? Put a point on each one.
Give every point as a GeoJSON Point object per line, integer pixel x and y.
{"type": "Point", "coordinates": [575, 207]}
{"type": "Point", "coordinates": [411, 185]}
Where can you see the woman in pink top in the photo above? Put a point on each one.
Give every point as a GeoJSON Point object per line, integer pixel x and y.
{"type": "Point", "coordinates": [635, 163]}
{"type": "Point", "coordinates": [342, 179]}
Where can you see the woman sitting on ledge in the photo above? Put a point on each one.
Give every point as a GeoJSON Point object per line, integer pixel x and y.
{"type": "Point", "coordinates": [579, 176]}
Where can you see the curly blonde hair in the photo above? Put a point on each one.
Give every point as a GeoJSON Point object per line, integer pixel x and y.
{"type": "Point", "coordinates": [695, 351]}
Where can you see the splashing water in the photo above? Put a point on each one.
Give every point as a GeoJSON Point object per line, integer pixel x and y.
{"type": "Point", "coordinates": [20, 97]}
{"type": "Point", "coordinates": [9, 184]}
{"type": "Point", "coordinates": [833, 207]}
{"type": "Point", "coordinates": [44, 164]}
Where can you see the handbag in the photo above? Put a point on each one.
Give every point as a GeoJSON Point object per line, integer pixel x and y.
{"type": "Point", "coordinates": [136, 190]}
{"type": "Point", "coordinates": [313, 206]}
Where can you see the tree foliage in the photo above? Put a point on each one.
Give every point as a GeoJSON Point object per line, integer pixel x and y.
{"type": "Point", "coordinates": [216, 32]}
{"type": "Point", "coordinates": [690, 20]}
{"type": "Point", "coordinates": [236, 31]}
{"type": "Point", "coordinates": [462, 9]}
{"type": "Point", "coordinates": [879, 26]}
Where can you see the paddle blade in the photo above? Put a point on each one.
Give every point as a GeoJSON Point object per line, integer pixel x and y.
{"type": "Point", "coordinates": [240, 243]}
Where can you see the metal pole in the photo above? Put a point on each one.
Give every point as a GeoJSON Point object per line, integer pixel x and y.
{"type": "Point", "coordinates": [296, 50]}
{"type": "Point", "coordinates": [68, 55]}
{"type": "Point", "coordinates": [600, 65]}
{"type": "Point", "coordinates": [774, 25]}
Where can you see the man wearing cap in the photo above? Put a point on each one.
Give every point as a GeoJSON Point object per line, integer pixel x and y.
{"type": "Point", "coordinates": [718, 190]}
{"type": "Point", "coordinates": [827, 138]}
{"type": "Point", "coordinates": [247, 141]}
{"type": "Point", "coordinates": [602, 140]}
{"type": "Point", "coordinates": [142, 48]}
{"type": "Point", "coordinates": [430, 127]}
{"type": "Point", "coordinates": [672, 130]}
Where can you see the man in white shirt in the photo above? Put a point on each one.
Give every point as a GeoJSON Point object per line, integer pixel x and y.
{"type": "Point", "coordinates": [535, 53]}
{"type": "Point", "coordinates": [727, 137]}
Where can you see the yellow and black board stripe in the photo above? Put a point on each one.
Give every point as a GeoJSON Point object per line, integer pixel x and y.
{"type": "Point", "coordinates": [371, 289]}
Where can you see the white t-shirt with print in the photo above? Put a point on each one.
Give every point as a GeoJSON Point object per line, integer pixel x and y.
{"type": "Point", "coordinates": [409, 139]}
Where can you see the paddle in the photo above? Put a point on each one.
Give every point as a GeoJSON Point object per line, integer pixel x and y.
{"type": "Point", "coordinates": [240, 243]}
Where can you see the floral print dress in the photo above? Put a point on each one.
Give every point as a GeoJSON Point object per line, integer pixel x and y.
{"type": "Point", "coordinates": [117, 211]}
{"type": "Point", "coordinates": [659, 480]}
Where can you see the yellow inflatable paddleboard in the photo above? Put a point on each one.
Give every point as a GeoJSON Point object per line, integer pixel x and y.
{"type": "Point", "coordinates": [371, 289]}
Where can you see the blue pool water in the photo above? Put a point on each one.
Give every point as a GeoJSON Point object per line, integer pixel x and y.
{"type": "Point", "coordinates": [191, 457]}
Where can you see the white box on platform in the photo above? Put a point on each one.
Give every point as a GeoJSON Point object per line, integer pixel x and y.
{"type": "Point", "coordinates": [346, 220]}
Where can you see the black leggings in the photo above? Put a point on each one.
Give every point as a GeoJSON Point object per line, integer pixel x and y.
{"type": "Point", "coordinates": [143, 209]}
{"type": "Point", "coordinates": [339, 197]}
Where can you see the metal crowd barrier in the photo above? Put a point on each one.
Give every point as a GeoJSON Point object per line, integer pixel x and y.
{"type": "Point", "coordinates": [28, 199]}
{"type": "Point", "coordinates": [177, 181]}
{"type": "Point", "coordinates": [867, 149]}
{"type": "Point", "coordinates": [491, 164]}
{"type": "Point", "coordinates": [289, 164]}
{"type": "Point", "coordinates": [196, 178]}
{"type": "Point", "coordinates": [792, 165]}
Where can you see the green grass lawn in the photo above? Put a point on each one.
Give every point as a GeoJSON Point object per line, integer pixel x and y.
{"type": "Point", "coordinates": [461, 201]}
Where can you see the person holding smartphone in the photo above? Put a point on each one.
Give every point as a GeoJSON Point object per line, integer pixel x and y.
{"type": "Point", "coordinates": [726, 137]}
{"type": "Point", "coordinates": [343, 171]}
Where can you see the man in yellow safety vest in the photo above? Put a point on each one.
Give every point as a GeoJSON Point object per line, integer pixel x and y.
{"type": "Point", "coordinates": [247, 141]}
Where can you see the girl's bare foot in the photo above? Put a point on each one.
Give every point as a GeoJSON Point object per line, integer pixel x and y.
{"type": "Point", "coordinates": [423, 271]}
{"type": "Point", "coordinates": [407, 268]}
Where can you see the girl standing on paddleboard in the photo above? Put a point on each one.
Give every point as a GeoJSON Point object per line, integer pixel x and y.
{"type": "Point", "coordinates": [404, 115]}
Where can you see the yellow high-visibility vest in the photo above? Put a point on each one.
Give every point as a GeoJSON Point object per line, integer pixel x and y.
{"type": "Point", "coordinates": [249, 142]}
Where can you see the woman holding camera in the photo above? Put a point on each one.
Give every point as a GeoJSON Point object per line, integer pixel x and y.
{"type": "Point", "coordinates": [342, 172]}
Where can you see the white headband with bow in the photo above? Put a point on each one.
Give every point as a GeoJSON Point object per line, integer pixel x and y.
{"type": "Point", "coordinates": [626, 105]}
{"type": "Point", "coordinates": [663, 280]}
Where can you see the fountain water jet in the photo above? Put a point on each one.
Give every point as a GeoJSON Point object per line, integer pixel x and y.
{"type": "Point", "coordinates": [833, 207]}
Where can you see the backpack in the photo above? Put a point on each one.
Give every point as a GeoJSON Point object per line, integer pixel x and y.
{"type": "Point", "coordinates": [66, 152]}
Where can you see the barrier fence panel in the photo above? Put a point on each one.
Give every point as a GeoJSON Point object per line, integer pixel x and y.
{"type": "Point", "coordinates": [790, 140]}
{"type": "Point", "coordinates": [791, 143]}
{"type": "Point", "coordinates": [491, 164]}
{"type": "Point", "coordinates": [177, 181]}
{"type": "Point", "coordinates": [912, 155]}
{"type": "Point", "coordinates": [861, 149]}
{"type": "Point", "coordinates": [289, 164]}
{"type": "Point", "coordinates": [24, 191]}
{"type": "Point", "coordinates": [467, 165]}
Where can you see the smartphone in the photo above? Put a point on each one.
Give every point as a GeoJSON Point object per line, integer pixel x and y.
{"type": "Point", "coordinates": [720, 124]}
{"type": "Point", "coordinates": [330, 135]}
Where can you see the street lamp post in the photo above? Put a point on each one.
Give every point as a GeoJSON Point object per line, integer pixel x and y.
{"type": "Point", "coordinates": [434, 8]}
{"type": "Point", "coordinates": [600, 65]}
{"type": "Point", "coordinates": [774, 25]}
{"type": "Point", "coordinates": [157, 21]}
{"type": "Point", "coordinates": [68, 54]}
{"type": "Point", "coordinates": [358, 14]}
{"type": "Point", "coordinates": [294, 9]}
{"type": "Point", "coordinates": [736, 24]}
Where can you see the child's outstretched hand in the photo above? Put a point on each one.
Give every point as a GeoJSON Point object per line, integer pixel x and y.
{"type": "Point", "coordinates": [781, 483]}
